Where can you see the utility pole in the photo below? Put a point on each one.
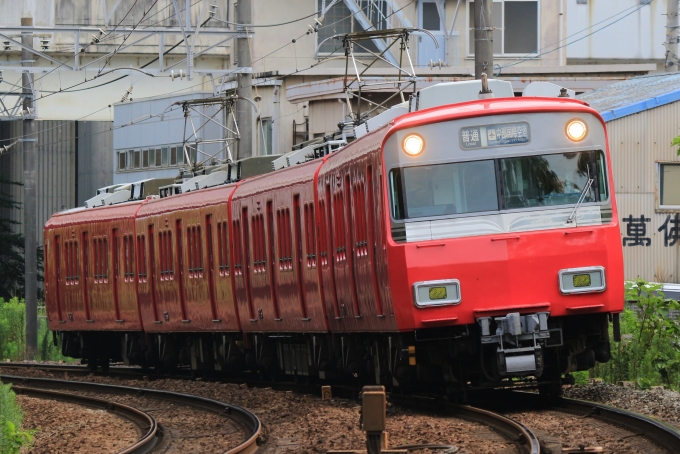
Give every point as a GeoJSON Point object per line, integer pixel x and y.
{"type": "Point", "coordinates": [671, 65]}
{"type": "Point", "coordinates": [483, 38]}
{"type": "Point", "coordinates": [244, 113]}
{"type": "Point", "coordinates": [29, 149]}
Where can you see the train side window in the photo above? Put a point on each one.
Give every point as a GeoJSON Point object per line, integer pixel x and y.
{"type": "Point", "coordinates": [165, 240]}
{"type": "Point", "coordinates": [238, 255]}
{"type": "Point", "coordinates": [259, 249]}
{"type": "Point", "coordinates": [323, 244]}
{"type": "Point", "coordinates": [95, 250]}
{"type": "Point", "coordinates": [76, 274]}
{"type": "Point", "coordinates": [359, 193]}
{"type": "Point", "coordinates": [129, 252]}
{"type": "Point", "coordinates": [191, 250]}
{"type": "Point", "coordinates": [339, 224]}
{"type": "Point", "coordinates": [67, 257]}
{"type": "Point", "coordinates": [141, 267]}
{"type": "Point", "coordinates": [223, 248]}
{"type": "Point", "coordinates": [310, 235]}
{"type": "Point", "coordinates": [285, 247]}
{"type": "Point", "coordinates": [105, 260]}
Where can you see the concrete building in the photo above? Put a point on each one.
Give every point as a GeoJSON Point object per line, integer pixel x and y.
{"type": "Point", "coordinates": [643, 117]}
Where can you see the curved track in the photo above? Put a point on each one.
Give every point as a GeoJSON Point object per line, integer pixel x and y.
{"type": "Point", "coordinates": [242, 417]}
{"type": "Point", "coordinates": [146, 423]}
{"type": "Point", "coordinates": [514, 431]}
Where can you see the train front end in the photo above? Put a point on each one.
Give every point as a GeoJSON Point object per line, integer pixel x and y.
{"type": "Point", "coordinates": [504, 247]}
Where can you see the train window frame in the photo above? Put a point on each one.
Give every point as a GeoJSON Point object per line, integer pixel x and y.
{"type": "Point", "coordinates": [141, 266]}
{"type": "Point", "coordinates": [662, 187]}
{"type": "Point", "coordinates": [395, 185]}
{"type": "Point", "coordinates": [223, 248]}
{"type": "Point", "coordinates": [500, 29]}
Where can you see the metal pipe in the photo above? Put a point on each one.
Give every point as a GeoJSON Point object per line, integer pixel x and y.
{"type": "Point", "coordinates": [483, 38]}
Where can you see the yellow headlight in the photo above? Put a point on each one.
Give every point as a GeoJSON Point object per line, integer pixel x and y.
{"type": "Point", "coordinates": [576, 130]}
{"type": "Point", "coordinates": [413, 145]}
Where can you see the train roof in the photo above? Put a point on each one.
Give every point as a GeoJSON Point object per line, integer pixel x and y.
{"type": "Point", "coordinates": [119, 211]}
{"type": "Point", "coordinates": [486, 107]}
{"type": "Point", "coordinates": [194, 199]}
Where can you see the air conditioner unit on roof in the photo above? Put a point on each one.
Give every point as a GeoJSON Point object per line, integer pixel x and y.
{"type": "Point", "coordinates": [204, 181]}
{"type": "Point", "coordinates": [457, 92]}
{"type": "Point", "coordinates": [108, 198]}
{"type": "Point", "coordinates": [381, 119]}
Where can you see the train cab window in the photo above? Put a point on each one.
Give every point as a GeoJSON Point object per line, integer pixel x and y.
{"type": "Point", "coordinates": [223, 248]}
{"type": "Point", "coordinates": [141, 249]}
{"type": "Point", "coordinates": [555, 179]}
{"type": "Point", "coordinates": [443, 189]}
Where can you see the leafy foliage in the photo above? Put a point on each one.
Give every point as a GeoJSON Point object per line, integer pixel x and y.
{"type": "Point", "coordinates": [649, 351]}
{"type": "Point", "coordinates": [13, 334]}
{"type": "Point", "coordinates": [12, 437]}
{"type": "Point", "coordinates": [676, 143]}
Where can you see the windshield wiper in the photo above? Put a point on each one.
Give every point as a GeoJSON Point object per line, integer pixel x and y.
{"type": "Point", "coordinates": [580, 201]}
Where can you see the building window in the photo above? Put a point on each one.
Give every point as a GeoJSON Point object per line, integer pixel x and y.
{"type": "Point", "coordinates": [266, 146]}
{"type": "Point", "coordinates": [145, 159]}
{"type": "Point", "coordinates": [165, 156]}
{"type": "Point", "coordinates": [173, 156]}
{"type": "Point", "coordinates": [669, 185]}
{"type": "Point", "coordinates": [122, 160]}
{"type": "Point", "coordinates": [339, 20]}
{"type": "Point", "coordinates": [516, 27]}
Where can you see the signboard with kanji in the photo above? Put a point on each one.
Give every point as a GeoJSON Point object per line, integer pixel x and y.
{"type": "Point", "coordinates": [494, 135]}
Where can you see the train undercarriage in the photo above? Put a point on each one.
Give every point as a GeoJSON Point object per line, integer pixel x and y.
{"type": "Point", "coordinates": [510, 351]}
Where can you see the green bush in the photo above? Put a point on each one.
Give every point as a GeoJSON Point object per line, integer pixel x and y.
{"type": "Point", "coordinates": [12, 437]}
{"type": "Point", "coordinates": [13, 333]}
{"type": "Point", "coordinates": [649, 351]}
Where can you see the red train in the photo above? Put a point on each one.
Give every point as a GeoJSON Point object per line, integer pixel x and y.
{"type": "Point", "coordinates": [458, 246]}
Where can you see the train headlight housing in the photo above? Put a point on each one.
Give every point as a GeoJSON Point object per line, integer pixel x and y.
{"type": "Point", "coordinates": [437, 293]}
{"type": "Point", "coordinates": [582, 280]}
{"type": "Point", "coordinates": [576, 130]}
{"type": "Point", "coordinates": [413, 144]}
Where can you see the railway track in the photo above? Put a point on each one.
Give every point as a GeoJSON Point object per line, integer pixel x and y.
{"type": "Point", "coordinates": [143, 421]}
{"type": "Point", "coordinates": [244, 420]}
{"type": "Point", "coordinates": [660, 434]}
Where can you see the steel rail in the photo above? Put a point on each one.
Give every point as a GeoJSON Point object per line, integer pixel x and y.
{"type": "Point", "coordinates": [512, 430]}
{"type": "Point", "coordinates": [145, 422]}
{"type": "Point", "coordinates": [657, 432]}
{"type": "Point", "coordinates": [247, 420]}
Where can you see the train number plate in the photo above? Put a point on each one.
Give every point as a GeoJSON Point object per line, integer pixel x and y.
{"type": "Point", "coordinates": [581, 280]}
{"type": "Point", "coordinates": [437, 293]}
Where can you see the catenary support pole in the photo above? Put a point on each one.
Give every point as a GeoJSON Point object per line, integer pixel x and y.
{"type": "Point", "coordinates": [483, 38]}
{"type": "Point", "coordinates": [672, 56]}
{"type": "Point", "coordinates": [244, 112]}
{"type": "Point", "coordinates": [29, 150]}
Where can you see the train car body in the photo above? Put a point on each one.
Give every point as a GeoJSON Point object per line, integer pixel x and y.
{"type": "Point", "coordinates": [461, 245]}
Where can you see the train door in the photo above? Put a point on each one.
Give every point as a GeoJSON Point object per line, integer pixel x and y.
{"type": "Point", "coordinates": [86, 275]}
{"type": "Point", "coordinates": [343, 282]}
{"type": "Point", "coordinates": [372, 246]}
{"type": "Point", "coordinates": [329, 227]}
{"type": "Point", "coordinates": [272, 260]}
{"type": "Point", "coordinates": [246, 262]}
{"type": "Point", "coordinates": [116, 280]}
{"type": "Point", "coordinates": [351, 240]}
{"type": "Point", "coordinates": [298, 253]}
{"type": "Point", "coordinates": [180, 266]}
{"type": "Point", "coordinates": [152, 264]}
{"type": "Point", "coordinates": [211, 265]}
{"type": "Point", "coordinates": [57, 284]}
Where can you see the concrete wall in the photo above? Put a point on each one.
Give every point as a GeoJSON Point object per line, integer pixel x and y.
{"type": "Point", "coordinates": [63, 147]}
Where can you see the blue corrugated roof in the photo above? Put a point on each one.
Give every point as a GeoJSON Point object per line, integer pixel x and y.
{"type": "Point", "coordinates": [634, 95]}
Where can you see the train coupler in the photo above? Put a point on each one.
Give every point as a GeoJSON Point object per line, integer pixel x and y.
{"type": "Point", "coordinates": [519, 339]}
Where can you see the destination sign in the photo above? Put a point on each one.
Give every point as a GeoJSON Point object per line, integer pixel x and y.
{"type": "Point", "coordinates": [494, 135]}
